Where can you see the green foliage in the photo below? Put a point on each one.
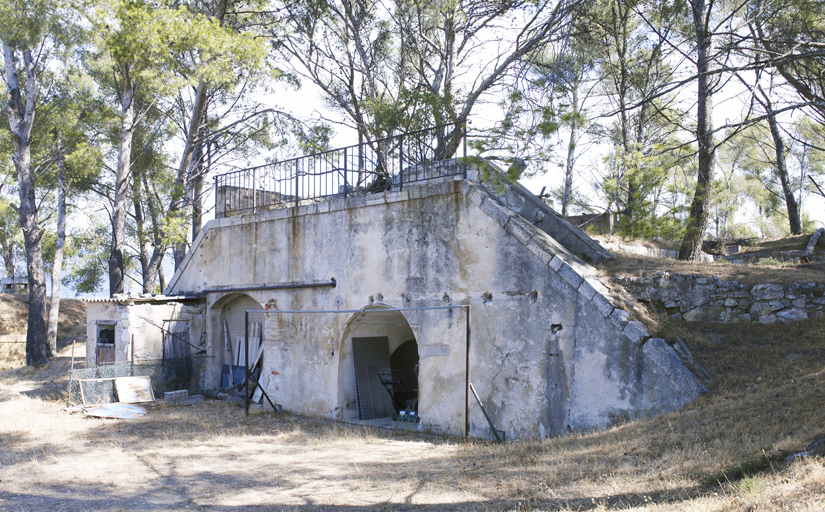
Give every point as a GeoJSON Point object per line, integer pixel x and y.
{"type": "Point", "coordinates": [164, 48]}
{"type": "Point", "coordinates": [175, 228]}
{"type": "Point", "coordinates": [86, 259]}
{"type": "Point", "coordinates": [493, 175]}
{"type": "Point", "coordinates": [315, 139]}
{"type": "Point", "coordinates": [11, 236]}
{"type": "Point", "coordinates": [26, 24]}
{"type": "Point", "coordinates": [770, 261]}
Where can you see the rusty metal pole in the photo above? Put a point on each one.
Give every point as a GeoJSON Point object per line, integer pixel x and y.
{"type": "Point", "coordinates": [71, 375]}
{"type": "Point", "coordinates": [467, 383]}
{"type": "Point", "coordinates": [246, 362]}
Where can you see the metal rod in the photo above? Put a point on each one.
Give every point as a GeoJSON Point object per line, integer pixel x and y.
{"type": "Point", "coordinates": [280, 286]}
{"type": "Point", "coordinates": [464, 165]}
{"type": "Point", "coordinates": [467, 383]}
{"type": "Point", "coordinates": [254, 190]}
{"type": "Point", "coordinates": [345, 173]}
{"type": "Point", "coordinates": [401, 163]}
{"type": "Point", "coordinates": [275, 407]}
{"type": "Point", "coordinates": [355, 310]}
{"type": "Point", "coordinates": [246, 363]}
{"type": "Point", "coordinates": [489, 421]}
{"type": "Point", "coordinates": [71, 372]}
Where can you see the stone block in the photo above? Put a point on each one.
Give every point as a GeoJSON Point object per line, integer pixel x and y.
{"type": "Point", "coordinates": [767, 319]}
{"type": "Point", "coordinates": [571, 276]}
{"type": "Point", "coordinates": [587, 290]}
{"type": "Point", "coordinates": [768, 291]}
{"type": "Point", "coordinates": [692, 315]}
{"type": "Point", "coordinates": [602, 304]}
{"type": "Point", "coordinates": [636, 332]}
{"type": "Point", "coordinates": [556, 263]}
{"type": "Point", "coordinates": [669, 362]}
{"type": "Point", "coordinates": [499, 213]}
{"type": "Point", "coordinates": [619, 318]}
{"type": "Point", "coordinates": [518, 231]}
{"type": "Point", "coordinates": [759, 309]}
{"type": "Point", "coordinates": [790, 315]}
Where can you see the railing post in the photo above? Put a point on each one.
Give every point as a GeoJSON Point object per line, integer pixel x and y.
{"type": "Point", "coordinates": [345, 173]}
{"type": "Point", "coordinates": [400, 162]}
{"type": "Point", "coordinates": [254, 190]}
{"type": "Point", "coordinates": [464, 165]}
{"type": "Point", "coordinates": [217, 211]}
{"type": "Point", "coordinates": [297, 196]}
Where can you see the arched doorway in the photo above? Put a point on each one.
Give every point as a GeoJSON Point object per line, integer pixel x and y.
{"type": "Point", "coordinates": [228, 327]}
{"type": "Point", "coordinates": [378, 367]}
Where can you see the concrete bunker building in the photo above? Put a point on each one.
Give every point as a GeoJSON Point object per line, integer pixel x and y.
{"type": "Point", "coordinates": [345, 281]}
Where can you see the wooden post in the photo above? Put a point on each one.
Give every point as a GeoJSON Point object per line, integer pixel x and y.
{"type": "Point", "coordinates": [467, 383]}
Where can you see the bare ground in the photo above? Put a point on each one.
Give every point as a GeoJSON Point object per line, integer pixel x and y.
{"type": "Point", "coordinates": [728, 451]}
{"type": "Point", "coordinates": [768, 401]}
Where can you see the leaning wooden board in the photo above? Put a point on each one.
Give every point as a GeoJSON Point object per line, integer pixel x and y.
{"type": "Point", "coordinates": [134, 390]}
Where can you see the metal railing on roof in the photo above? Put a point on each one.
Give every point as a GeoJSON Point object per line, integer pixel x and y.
{"type": "Point", "coordinates": [370, 167]}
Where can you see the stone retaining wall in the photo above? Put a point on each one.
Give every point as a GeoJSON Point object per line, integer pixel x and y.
{"type": "Point", "coordinates": [698, 298]}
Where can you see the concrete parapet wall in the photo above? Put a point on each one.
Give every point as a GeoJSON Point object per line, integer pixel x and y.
{"type": "Point", "coordinates": [698, 298]}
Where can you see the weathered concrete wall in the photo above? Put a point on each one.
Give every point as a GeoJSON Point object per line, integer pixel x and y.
{"type": "Point", "coordinates": [549, 350]}
{"type": "Point", "coordinates": [698, 298]}
{"type": "Point", "coordinates": [143, 321]}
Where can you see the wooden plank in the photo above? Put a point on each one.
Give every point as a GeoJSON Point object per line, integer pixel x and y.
{"type": "Point", "coordinates": [254, 348]}
{"type": "Point", "coordinates": [228, 342]}
{"type": "Point", "coordinates": [117, 411]}
{"type": "Point", "coordinates": [257, 357]}
{"type": "Point", "coordinates": [258, 395]}
{"type": "Point", "coordinates": [134, 390]}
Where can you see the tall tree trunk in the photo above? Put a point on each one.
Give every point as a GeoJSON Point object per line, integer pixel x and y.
{"type": "Point", "coordinates": [8, 259]}
{"type": "Point", "coordinates": [782, 172]}
{"type": "Point", "coordinates": [699, 209]}
{"type": "Point", "coordinates": [196, 183]}
{"type": "Point", "coordinates": [179, 204]}
{"type": "Point", "coordinates": [571, 154]}
{"type": "Point", "coordinates": [117, 270]}
{"type": "Point", "coordinates": [192, 143]}
{"type": "Point", "coordinates": [154, 266]}
{"type": "Point", "coordinates": [140, 230]}
{"type": "Point", "coordinates": [57, 267]}
{"type": "Point", "coordinates": [21, 119]}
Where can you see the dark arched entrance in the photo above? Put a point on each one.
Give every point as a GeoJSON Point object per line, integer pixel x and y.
{"type": "Point", "coordinates": [378, 370]}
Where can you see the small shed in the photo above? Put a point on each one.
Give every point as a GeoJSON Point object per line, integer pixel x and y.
{"type": "Point", "coordinates": [142, 328]}
{"type": "Point", "coordinates": [16, 284]}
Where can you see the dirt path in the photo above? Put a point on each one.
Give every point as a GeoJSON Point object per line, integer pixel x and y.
{"type": "Point", "coordinates": [167, 461]}
{"type": "Point", "coordinates": [207, 457]}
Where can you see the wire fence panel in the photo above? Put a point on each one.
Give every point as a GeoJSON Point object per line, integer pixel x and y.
{"type": "Point", "coordinates": [172, 374]}
{"type": "Point", "coordinates": [374, 166]}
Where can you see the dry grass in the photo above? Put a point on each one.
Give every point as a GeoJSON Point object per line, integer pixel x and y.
{"type": "Point", "coordinates": [724, 452]}
{"type": "Point", "coordinates": [786, 273]}
{"type": "Point", "coordinates": [641, 266]}
{"type": "Point", "coordinates": [14, 310]}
